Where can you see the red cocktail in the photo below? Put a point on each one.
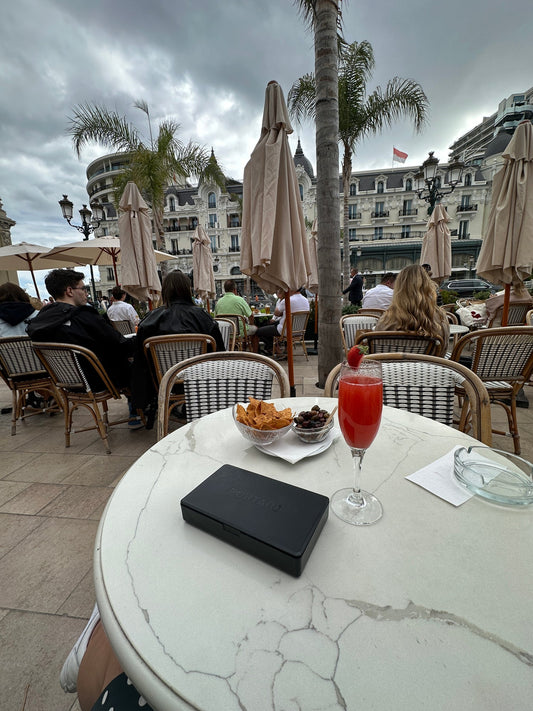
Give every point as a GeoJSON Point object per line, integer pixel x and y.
{"type": "Point", "coordinates": [360, 406]}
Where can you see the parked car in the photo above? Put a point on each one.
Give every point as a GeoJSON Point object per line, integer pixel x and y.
{"type": "Point", "coordinates": [468, 287]}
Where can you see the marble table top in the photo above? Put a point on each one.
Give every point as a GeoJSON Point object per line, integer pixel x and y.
{"type": "Point", "coordinates": [426, 609]}
{"type": "Point", "coordinates": [457, 328]}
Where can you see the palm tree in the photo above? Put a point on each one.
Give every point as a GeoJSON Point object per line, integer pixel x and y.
{"type": "Point", "coordinates": [152, 167]}
{"type": "Point", "coordinates": [360, 115]}
{"type": "Point", "coordinates": [323, 17]}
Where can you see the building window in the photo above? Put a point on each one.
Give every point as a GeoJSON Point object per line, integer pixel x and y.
{"type": "Point", "coordinates": [406, 231]}
{"type": "Point", "coordinates": [211, 200]}
{"type": "Point", "coordinates": [171, 204]}
{"type": "Point", "coordinates": [378, 232]}
{"type": "Point", "coordinates": [194, 223]}
{"type": "Point", "coordinates": [110, 274]}
{"type": "Point", "coordinates": [234, 221]}
{"type": "Point", "coordinates": [352, 234]}
{"type": "Point", "coordinates": [301, 188]}
{"type": "Point", "coordinates": [235, 270]}
{"type": "Point", "coordinates": [352, 212]}
{"type": "Point", "coordinates": [468, 179]}
{"type": "Point", "coordinates": [174, 246]}
{"type": "Point", "coordinates": [212, 220]}
{"type": "Point", "coordinates": [465, 201]}
{"type": "Point", "coordinates": [408, 184]}
{"type": "Point", "coordinates": [215, 242]}
{"type": "Point", "coordinates": [380, 209]}
{"type": "Point", "coordinates": [380, 186]}
{"type": "Point", "coordinates": [234, 243]}
{"type": "Point", "coordinates": [463, 229]}
{"type": "Point", "coordinates": [353, 189]}
{"type": "Point", "coordinates": [407, 207]}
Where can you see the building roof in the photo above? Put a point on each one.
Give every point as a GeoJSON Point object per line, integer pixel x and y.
{"type": "Point", "coordinates": [300, 159]}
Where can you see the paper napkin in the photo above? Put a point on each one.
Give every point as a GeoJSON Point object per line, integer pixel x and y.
{"type": "Point", "coordinates": [292, 449]}
{"type": "Point", "coordinates": [439, 479]}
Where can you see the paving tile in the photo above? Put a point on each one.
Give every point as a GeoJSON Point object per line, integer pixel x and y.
{"type": "Point", "coordinates": [53, 440]}
{"type": "Point", "coordinates": [14, 529]}
{"type": "Point", "coordinates": [49, 468]}
{"type": "Point", "coordinates": [77, 502]}
{"type": "Point", "coordinates": [41, 572]}
{"type": "Point", "coordinates": [9, 489]}
{"type": "Point", "coordinates": [32, 499]}
{"type": "Point", "coordinates": [100, 470]}
{"type": "Point", "coordinates": [11, 461]}
{"type": "Point", "coordinates": [33, 649]}
{"type": "Point", "coordinates": [80, 602]}
{"type": "Point", "coordinates": [124, 442]}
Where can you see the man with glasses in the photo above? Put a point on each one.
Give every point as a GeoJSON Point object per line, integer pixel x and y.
{"type": "Point", "coordinates": [71, 319]}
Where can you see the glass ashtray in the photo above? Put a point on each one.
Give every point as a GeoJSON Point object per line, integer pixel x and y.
{"type": "Point", "coordinates": [500, 477]}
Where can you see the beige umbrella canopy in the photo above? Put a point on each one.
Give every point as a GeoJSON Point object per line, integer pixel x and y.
{"type": "Point", "coordinates": [202, 264]}
{"type": "Point", "coordinates": [274, 250]}
{"type": "Point", "coordinates": [437, 244]}
{"type": "Point", "coordinates": [139, 270]}
{"type": "Point", "coordinates": [506, 255]}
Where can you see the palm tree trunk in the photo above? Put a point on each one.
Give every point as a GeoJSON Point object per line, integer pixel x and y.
{"type": "Point", "coordinates": [346, 173]}
{"type": "Point", "coordinates": [327, 154]}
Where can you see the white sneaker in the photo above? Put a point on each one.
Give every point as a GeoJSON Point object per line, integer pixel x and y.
{"type": "Point", "coordinates": [69, 674]}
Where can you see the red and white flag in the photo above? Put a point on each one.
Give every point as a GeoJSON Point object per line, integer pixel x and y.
{"type": "Point", "coordinates": [398, 156]}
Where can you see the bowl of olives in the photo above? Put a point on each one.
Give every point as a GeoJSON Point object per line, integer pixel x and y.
{"type": "Point", "coordinates": [312, 425]}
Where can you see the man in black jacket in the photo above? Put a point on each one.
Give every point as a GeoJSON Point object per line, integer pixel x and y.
{"type": "Point", "coordinates": [70, 319]}
{"type": "Point", "coordinates": [355, 289]}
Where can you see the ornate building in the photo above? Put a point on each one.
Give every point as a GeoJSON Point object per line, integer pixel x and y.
{"type": "Point", "coordinates": [5, 239]}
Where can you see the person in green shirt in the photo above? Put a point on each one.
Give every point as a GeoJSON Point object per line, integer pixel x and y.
{"type": "Point", "coordinates": [232, 303]}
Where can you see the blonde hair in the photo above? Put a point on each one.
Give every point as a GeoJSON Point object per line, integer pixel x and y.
{"type": "Point", "coordinates": [414, 305]}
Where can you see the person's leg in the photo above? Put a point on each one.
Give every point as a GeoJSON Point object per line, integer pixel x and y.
{"type": "Point", "coordinates": [99, 666]}
{"type": "Point", "coordinates": [266, 334]}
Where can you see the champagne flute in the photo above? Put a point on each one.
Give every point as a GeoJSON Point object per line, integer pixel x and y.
{"type": "Point", "coordinates": [360, 407]}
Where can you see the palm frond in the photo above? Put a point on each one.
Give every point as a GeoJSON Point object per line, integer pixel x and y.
{"type": "Point", "coordinates": [91, 122]}
{"type": "Point", "coordinates": [307, 9]}
{"type": "Point", "coordinates": [142, 105]}
{"type": "Point", "coordinates": [301, 99]}
{"type": "Point", "coordinates": [401, 98]}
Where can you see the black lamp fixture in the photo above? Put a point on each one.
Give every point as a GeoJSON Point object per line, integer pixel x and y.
{"type": "Point", "coordinates": [90, 221]}
{"type": "Point", "coordinates": [428, 185]}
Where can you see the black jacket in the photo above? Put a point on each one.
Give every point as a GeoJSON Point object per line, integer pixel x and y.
{"type": "Point", "coordinates": [180, 317]}
{"type": "Point", "coordinates": [83, 326]}
{"type": "Point", "coordinates": [13, 312]}
{"type": "Point", "coordinates": [355, 289]}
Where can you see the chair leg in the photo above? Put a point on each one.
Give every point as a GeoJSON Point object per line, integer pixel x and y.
{"type": "Point", "coordinates": [304, 348]}
{"type": "Point", "coordinates": [15, 410]}
{"type": "Point", "coordinates": [512, 422]}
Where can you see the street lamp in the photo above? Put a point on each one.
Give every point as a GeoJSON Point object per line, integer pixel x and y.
{"type": "Point", "coordinates": [87, 226]}
{"type": "Point", "coordinates": [427, 183]}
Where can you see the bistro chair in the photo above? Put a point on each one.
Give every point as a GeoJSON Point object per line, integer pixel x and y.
{"type": "Point", "coordinates": [124, 327]}
{"type": "Point", "coordinates": [529, 318]}
{"type": "Point", "coordinates": [299, 321]}
{"type": "Point", "coordinates": [503, 359]}
{"type": "Point", "coordinates": [23, 373]}
{"type": "Point", "coordinates": [351, 324]}
{"type": "Point", "coordinates": [517, 314]}
{"type": "Point", "coordinates": [426, 385]}
{"type": "Point", "coordinates": [242, 338]}
{"type": "Point", "coordinates": [378, 313]}
{"type": "Point", "coordinates": [400, 342]}
{"type": "Point", "coordinates": [227, 329]}
{"type": "Point", "coordinates": [215, 381]}
{"type": "Point", "coordinates": [68, 367]}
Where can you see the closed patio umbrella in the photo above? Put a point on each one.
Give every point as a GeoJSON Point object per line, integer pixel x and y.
{"type": "Point", "coordinates": [437, 244]}
{"type": "Point", "coordinates": [202, 261]}
{"type": "Point", "coordinates": [139, 269]}
{"type": "Point", "coordinates": [274, 249]}
{"type": "Point", "coordinates": [506, 255]}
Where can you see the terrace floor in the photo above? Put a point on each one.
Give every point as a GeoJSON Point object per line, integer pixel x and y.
{"type": "Point", "coordinates": [51, 499]}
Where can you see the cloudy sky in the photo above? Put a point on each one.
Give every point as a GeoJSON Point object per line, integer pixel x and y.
{"type": "Point", "coordinates": [205, 63]}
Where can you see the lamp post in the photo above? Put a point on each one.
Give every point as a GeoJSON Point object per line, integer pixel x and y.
{"type": "Point", "coordinates": [427, 183]}
{"type": "Point", "coordinates": [87, 226]}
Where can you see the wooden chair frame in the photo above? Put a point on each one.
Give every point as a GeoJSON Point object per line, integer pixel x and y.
{"type": "Point", "coordinates": [406, 342]}
{"type": "Point", "coordinates": [229, 360]}
{"type": "Point", "coordinates": [65, 363]}
{"type": "Point", "coordinates": [370, 312]}
{"type": "Point", "coordinates": [299, 321]}
{"type": "Point", "coordinates": [23, 373]}
{"type": "Point", "coordinates": [479, 417]}
{"type": "Point", "coordinates": [517, 316]}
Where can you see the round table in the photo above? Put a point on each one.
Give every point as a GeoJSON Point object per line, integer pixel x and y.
{"type": "Point", "coordinates": [457, 329]}
{"type": "Point", "coordinates": [425, 609]}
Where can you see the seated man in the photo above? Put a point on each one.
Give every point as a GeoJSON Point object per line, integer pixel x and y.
{"type": "Point", "coordinates": [120, 310]}
{"type": "Point", "coordinates": [380, 296]}
{"type": "Point", "coordinates": [70, 319]}
{"type": "Point", "coordinates": [232, 303]}
{"type": "Point", "coordinates": [266, 333]}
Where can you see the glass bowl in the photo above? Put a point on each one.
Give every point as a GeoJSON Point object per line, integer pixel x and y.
{"type": "Point", "coordinates": [262, 437]}
{"type": "Point", "coordinates": [500, 477]}
{"type": "Point", "coordinates": [312, 436]}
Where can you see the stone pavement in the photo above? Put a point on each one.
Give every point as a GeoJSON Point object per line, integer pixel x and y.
{"type": "Point", "coordinates": [51, 499]}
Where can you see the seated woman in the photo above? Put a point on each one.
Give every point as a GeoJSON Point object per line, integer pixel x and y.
{"type": "Point", "coordinates": [179, 314]}
{"type": "Point", "coordinates": [15, 310]}
{"type": "Point", "coordinates": [414, 307]}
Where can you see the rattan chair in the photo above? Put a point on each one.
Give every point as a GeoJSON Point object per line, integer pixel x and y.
{"type": "Point", "coordinates": [503, 359]}
{"type": "Point", "coordinates": [23, 373]}
{"type": "Point", "coordinates": [242, 338]}
{"type": "Point", "coordinates": [452, 318]}
{"type": "Point", "coordinates": [214, 381]}
{"type": "Point", "coordinates": [123, 327]}
{"type": "Point", "coordinates": [516, 316]}
{"type": "Point", "coordinates": [68, 367]}
{"type": "Point", "coordinates": [228, 331]}
{"type": "Point", "coordinates": [299, 321]}
{"type": "Point", "coordinates": [400, 342]}
{"type": "Point", "coordinates": [529, 318]}
{"type": "Point", "coordinates": [351, 324]}
{"type": "Point", "coordinates": [427, 385]}
{"type": "Point", "coordinates": [378, 313]}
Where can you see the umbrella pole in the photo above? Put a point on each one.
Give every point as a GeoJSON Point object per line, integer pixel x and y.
{"type": "Point", "coordinates": [314, 351]}
{"type": "Point", "coordinates": [34, 282]}
{"type": "Point", "coordinates": [506, 299]}
{"type": "Point", "coordinates": [114, 266]}
{"type": "Point", "coordinates": [207, 304]}
{"type": "Point", "coordinates": [290, 362]}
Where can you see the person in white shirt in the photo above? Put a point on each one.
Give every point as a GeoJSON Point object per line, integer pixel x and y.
{"type": "Point", "coordinates": [120, 310]}
{"type": "Point", "coordinates": [267, 333]}
{"type": "Point", "coordinates": [380, 297]}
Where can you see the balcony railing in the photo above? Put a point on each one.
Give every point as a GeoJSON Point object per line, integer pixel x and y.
{"type": "Point", "coordinates": [408, 211]}
{"type": "Point", "coordinates": [466, 208]}
{"type": "Point", "coordinates": [354, 216]}
{"type": "Point", "coordinates": [235, 249]}
{"type": "Point", "coordinates": [382, 213]}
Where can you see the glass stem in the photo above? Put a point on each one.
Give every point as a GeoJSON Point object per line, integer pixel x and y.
{"type": "Point", "coordinates": [357, 458]}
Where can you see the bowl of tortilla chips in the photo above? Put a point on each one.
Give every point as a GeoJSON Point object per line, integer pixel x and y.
{"type": "Point", "coordinates": [260, 422]}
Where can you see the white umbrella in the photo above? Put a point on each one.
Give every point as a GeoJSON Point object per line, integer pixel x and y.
{"type": "Point", "coordinates": [202, 265]}
{"type": "Point", "coordinates": [437, 244]}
